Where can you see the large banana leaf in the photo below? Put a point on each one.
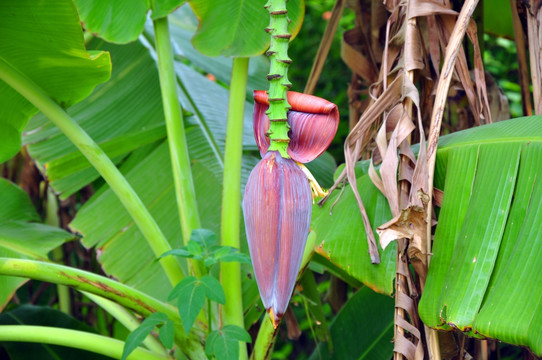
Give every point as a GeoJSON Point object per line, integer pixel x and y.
{"type": "Point", "coordinates": [21, 234]}
{"type": "Point", "coordinates": [484, 276]}
{"type": "Point", "coordinates": [363, 329]}
{"type": "Point", "coordinates": [341, 237]}
{"type": "Point", "coordinates": [43, 41]}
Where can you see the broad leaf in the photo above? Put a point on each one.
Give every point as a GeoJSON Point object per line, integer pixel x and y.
{"type": "Point", "coordinates": [43, 41]}
{"type": "Point", "coordinates": [224, 343]}
{"type": "Point", "coordinates": [21, 236]}
{"type": "Point", "coordinates": [204, 237]}
{"type": "Point", "coordinates": [363, 329]}
{"type": "Point", "coordinates": [166, 334]}
{"type": "Point", "coordinates": [484, 275]}
{"type": "Point", "coordinates": [137, 336]}
{"type": "Point", "coordinates": [213, 289]}
{"type": "Point", "coordinates": [121, 21]}
{"type": "Point", "coordinates": [44, 316]}
{"type": "Point", "coordinates": [224, 26]}
{"type": "Point", "coordinates": [341, 237]}
{"type": "Point", "coordinates": [190, 301]}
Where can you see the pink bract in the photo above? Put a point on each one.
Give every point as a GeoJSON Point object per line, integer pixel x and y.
{"type": "Point", "coordinates": [277, 209]}
{"type": "Point", "coordinates": [313, 121]}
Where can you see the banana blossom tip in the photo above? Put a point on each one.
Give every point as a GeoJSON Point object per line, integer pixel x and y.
{"type": "Point", "coordinates": [279, 193]}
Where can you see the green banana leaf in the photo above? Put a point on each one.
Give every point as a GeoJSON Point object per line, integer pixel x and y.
{"type": "Point", "coordinates": [363, 329]}
{"type": "Point", "coordinates": [341, 237]}
{"type": "Point", "coordinates": [22, 236]}
{"type": "Point", "coordinates": [121, 21]}
{"type": "Point", "coordinates": [224, 26]}
{"type": "Point", "coordinates": [60, 65]}
{"type": "Point", "coordinates": [484, 276]}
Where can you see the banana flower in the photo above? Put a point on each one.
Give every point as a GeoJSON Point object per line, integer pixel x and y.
{"type": "Point", "coordinates": [278, 201]}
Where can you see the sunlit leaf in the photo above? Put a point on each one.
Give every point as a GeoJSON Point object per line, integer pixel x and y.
{"type": "Point", "coordinates": [484, 274]}
{"type": "Point", "coordinates": [121, 21]}
{"type": "Point", "coordinates": [43, 41]}
{"type": "Point", "coordinates": [224, 26]}
{"type": "Point", "coordinates": [341, 237]}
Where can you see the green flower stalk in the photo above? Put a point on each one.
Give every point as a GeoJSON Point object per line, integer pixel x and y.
{"type": "Point", "coordinates": [278, 77]}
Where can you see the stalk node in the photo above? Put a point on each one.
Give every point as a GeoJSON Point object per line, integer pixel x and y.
{"type": "Point", "coordinates": [282, 36]}
{"type": "Point", "coordinates": [274, 76]}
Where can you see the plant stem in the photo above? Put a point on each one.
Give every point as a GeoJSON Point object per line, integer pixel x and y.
{"type": "Point", "coordinates": [63, 293]}
{"type": "Point", "coordinates": [101, 163]}
{"type": "Point", "coordinates": [122, 294]}
{"type": "Point", "coordinates": [180, 160]}
{"type": "Point", "coordinates": [128, 320]}
{"type": "Point", "coordinates": [230, 272]}
{"type": "Point", "coordinates": [51, 218]}
{"type": "Point", "coordinates": [209, 316]}
{"type": "Point", "coordinates": [87, 281]}
{"type": "Point", "coordinates": [263, 347]}
{"type": "Point", "coordinates": [278, 77]}
{"type": "Point", "coordinates": [73, 338]}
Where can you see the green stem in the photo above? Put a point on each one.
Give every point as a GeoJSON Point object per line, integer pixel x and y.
{"type": "Point", "coordinates": [101, 163]}
{"type": "Point", "coordinates": [87, 281]}
{"type": "Point", "coordinates": [209, 316]}
{"type": "Point", "coordinates": [278, 76]}
{"type": "Point", "coordinates": [51, 218]}
{"type": "Point", "coordinates": [230, 272]}
{"type": "Point", "coordinates": [263, 347]}
{"type": "Point", "coordinates": [200, 119]}
{"type": "Point", "coordinates": [73, 338]}
{"type": "Point", "coordinates": [63, 293]}
{"type": "Point", "coordinates": [122, 294]}
{"type": "Point", "coordinates": [127, 319]}
{"type": "Point", "coordinates": [180, 160]}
